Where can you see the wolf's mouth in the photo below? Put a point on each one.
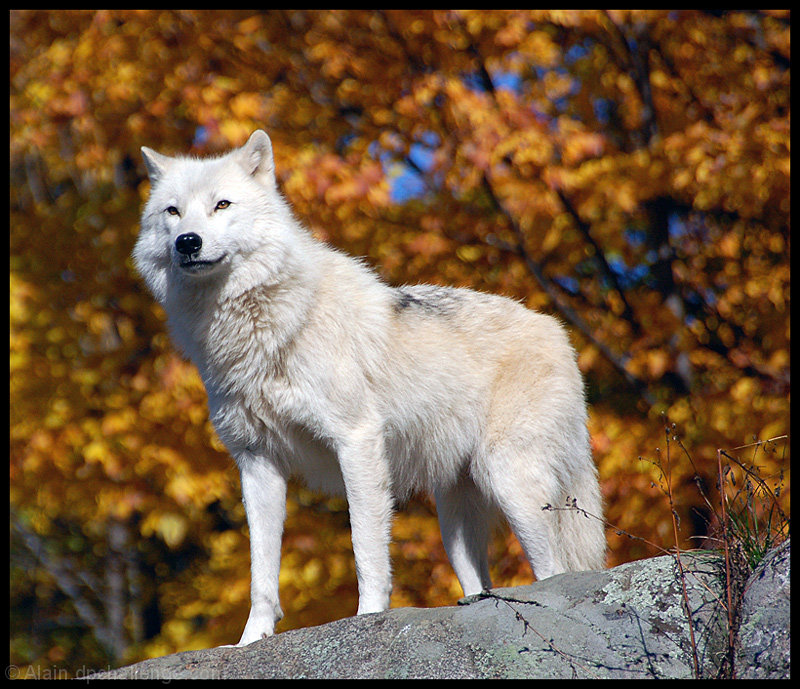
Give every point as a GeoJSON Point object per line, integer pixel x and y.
{"type": "Point", "coordinates": [196, 266]}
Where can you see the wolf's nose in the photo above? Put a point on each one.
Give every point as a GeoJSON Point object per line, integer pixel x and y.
{"type": "Point", "coordinates": [188, 244]}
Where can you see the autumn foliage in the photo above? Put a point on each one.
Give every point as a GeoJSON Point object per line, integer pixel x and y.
{"type": "Point", "coordinates": [626, 171]}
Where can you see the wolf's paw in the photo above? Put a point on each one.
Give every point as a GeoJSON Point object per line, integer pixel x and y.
{"type": "Point", "coordinates": [258, 627]}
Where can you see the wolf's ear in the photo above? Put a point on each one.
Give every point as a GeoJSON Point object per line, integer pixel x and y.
{"type": "Point", "coordinates": [256, 158]}
{"type": "Point", "coordinates": [155, 163]}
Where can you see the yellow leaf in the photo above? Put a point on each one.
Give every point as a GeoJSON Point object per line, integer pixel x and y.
{"type": "Point", "coordinates": [169, 526]}
{"type": "Point", "coordinates": [551, 239]}
{"type": "Point", "coordinates": [95, 451]}
{"type": "Point", "coordinates": [246, 105]}
{"type": "Point", "coordinates": [312, 572]}
{"type": "Point", "coordinates": [743, 389]}
{"type": "Point", "coordinates": [773, 429]}
{"type": "Point", "coordinates": [469, 253]}
{"type": "Point", "coordinates": [657, 363]}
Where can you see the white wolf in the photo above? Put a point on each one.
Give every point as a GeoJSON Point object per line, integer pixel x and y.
{"type": "Point", "coordinates": [316, 368]}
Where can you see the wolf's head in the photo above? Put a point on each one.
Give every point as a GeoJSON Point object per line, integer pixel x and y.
{"type": "Point", "coordinates": [217, 219]}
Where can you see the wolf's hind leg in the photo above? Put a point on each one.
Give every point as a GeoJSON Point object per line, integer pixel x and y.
{"type": "Point", "coordinates": [465, 520]}
{"type": "Point", "coordinates": [522, 484]}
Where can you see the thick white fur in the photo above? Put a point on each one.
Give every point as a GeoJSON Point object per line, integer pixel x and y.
{"type": "Point", "coordinates": [316, 368]}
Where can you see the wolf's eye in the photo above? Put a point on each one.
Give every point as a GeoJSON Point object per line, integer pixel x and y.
{"type": "Point", "coordinates": [222, 204]}
{"type": "Point", "coordinates": [172, 210]}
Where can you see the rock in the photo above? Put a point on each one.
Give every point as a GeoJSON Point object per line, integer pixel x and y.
{"type": "Point", "coordinates": [625, 622]}
{"type": "Point", "coordinates": [763, 639]}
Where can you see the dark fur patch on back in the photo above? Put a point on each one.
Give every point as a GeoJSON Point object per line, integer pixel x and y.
{"type": "Point", "coordinates": [428, 298]}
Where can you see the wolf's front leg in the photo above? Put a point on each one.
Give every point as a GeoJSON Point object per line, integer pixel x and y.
{"type": "Point", "coordinates": [369, 499]}
{"type": "Point", "coordinates": [264, 495]}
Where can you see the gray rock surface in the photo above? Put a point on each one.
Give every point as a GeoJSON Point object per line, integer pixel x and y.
{"type": "Point", "coordinates": [625, 622]}
{"type": "Point", "coordinates": [763, 640]}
